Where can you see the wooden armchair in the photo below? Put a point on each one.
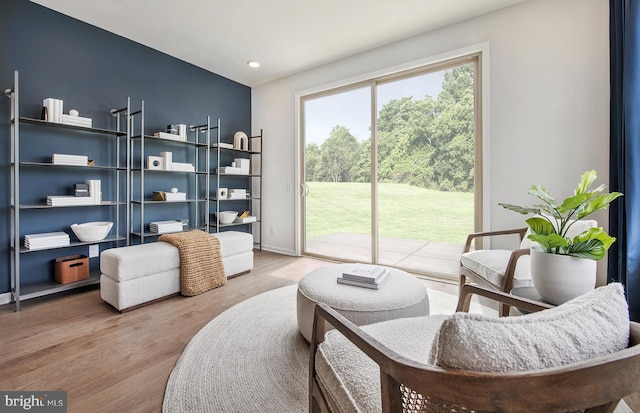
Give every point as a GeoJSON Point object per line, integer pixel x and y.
{"type": "Point", "coordinates": [401, 384]}
{"type": "Point", "coordinates": [504, 270]}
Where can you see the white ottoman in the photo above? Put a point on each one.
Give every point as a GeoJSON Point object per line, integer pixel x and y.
{"type": "Point", "coordinates": [400, 296]}
{"type": "Point", "coordinates": [138, 274]}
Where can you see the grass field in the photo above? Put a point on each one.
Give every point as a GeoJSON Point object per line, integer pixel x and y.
{"type": "Point", "coordinates": [404, 211]}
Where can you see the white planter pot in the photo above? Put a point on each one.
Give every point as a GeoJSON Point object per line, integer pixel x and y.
{"type": "Point", "coordinates": [559, 278]}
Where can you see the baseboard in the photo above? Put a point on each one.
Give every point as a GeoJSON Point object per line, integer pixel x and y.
{"type": "Point", "coordinates": [278, 250]}
{"type": "Point", "coordinates": [5, 298]}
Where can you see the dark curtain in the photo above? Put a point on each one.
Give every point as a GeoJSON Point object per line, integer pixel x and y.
{"type": "Point", "coordinates": [624, 169]}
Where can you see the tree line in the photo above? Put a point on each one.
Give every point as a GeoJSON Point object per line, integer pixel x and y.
{"type": "Point", "coordinates": [428, 143]}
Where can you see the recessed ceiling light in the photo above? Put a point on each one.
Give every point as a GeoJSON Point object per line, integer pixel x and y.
{"type": "Point", "coordinates": [253, 63]}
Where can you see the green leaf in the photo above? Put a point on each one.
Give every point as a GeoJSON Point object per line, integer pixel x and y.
{"type": "Point", "coordinates": [600, 202]}
{"type": "Point", "coordinates": [541, 192]}
{"type": "Point", "coordinates": [586, 180]}
{"type": "Point", "coordinates": [574, 202]}
{"type": "Point", "coordinates": [519, 209]}
{"type": "Point", "coordinates": [595, 234]}
{"type": "Point", "coordinates": [549, 242]}
{"type": "Point", "coordinates": [592, 249]}
{"type": "Point", "coordinates": [540, 226]}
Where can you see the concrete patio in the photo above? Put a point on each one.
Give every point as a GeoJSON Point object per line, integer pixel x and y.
{"type": "Point", "coordinates": [421, 257]}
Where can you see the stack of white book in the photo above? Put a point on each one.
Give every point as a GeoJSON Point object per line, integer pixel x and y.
{"type": "Point", "coordinates": [76, 121]}
{"type": "Point", "coordinates": [182, 167]}
{"type": "Point", "coordinates": [175, 196]}
{"type": "Point", "coordinates": [95, 190]}
{"type": "Point", "coordinates": [367, 276]}
{"type": "Point", "coordinates": [52, 109]}
{"type": "Point", "coordinates": [63, 159]}
{"type": "Point", "coordinates": [63, 200]}
{"type": "Point", "coordinates": [46, 240]}
{"type": "Point", "coordinates": [170, 136]}
{"type": "Point", "coordinates": [163, 227]}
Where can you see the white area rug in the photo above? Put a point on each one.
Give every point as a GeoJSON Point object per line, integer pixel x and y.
{"type": "Point", "coordinates": [251, 358]}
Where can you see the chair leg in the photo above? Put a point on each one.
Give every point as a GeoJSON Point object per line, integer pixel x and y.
{"type": "Point", "coordinates": [504, 310]}
{"type": "Point", "coordinates": [461, 282]}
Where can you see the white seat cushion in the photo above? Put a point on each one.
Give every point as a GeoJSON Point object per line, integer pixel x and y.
{"type": "Point", "coordinates": [492, 264]}
{"type": "Point", "coordinates": [350, 380]}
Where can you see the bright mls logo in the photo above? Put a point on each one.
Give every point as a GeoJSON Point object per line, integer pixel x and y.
{"type": "Point", "coordinates": [30, 401]}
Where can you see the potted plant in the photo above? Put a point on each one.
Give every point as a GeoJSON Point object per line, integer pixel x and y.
{"type": "Point", "coordinates": [563, 263]}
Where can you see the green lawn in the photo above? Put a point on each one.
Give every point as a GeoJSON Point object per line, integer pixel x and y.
{"type": "Point", "coordinates": [405, 211]}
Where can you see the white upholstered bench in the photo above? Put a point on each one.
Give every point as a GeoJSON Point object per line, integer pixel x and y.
{"type": "Point", "coordinates": [135, 275]}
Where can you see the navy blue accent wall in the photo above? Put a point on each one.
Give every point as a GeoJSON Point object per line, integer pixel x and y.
{"type": "Point", "coordinates": [93, 71]}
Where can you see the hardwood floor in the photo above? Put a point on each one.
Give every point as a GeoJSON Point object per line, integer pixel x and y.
{"type": "Point", "coordinates": [112, 362]}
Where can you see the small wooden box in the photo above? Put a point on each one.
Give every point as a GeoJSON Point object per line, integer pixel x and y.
{"type": "Point", "coordinates": [71, 268]}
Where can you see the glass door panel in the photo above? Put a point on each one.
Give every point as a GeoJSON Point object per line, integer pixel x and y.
{"type": "Point", "coordinates": [336, 198]}
{"type": "Point", "coordinates": [425, 135]}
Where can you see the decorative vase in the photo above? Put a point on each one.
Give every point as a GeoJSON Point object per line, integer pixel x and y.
{"type": "Point", "coordinates": [559, 278]}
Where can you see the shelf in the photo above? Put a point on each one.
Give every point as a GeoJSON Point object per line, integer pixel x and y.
{"type": "Point", "coordinates": [167, 202]}
{"type": "Point", "coordinates": [24, 250]}
{"type": "Point", "coordinates": [43, 206]}
{"type": "Point", "coordinates": [215, 146]}
{"type": "Point", "coordinates": [171, 141]}
{"type": "Point", "coordinates": [234, 224]}
{"type": "Point", "coordinates": [71, 127]}
{"type": "Point", "coordinates": [48, 164]}
{"type": "Point", "coordinates": [155, 234]}
{"type": "Point", "coordinates": [51, 287]}
{"type": "Point", "coordinates": [235, 199]}
{"type": "Point", "coordinates": [165, 171]}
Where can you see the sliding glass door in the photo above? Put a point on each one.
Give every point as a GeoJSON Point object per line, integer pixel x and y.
{"type": "Point", "coordinates": [337, 177]}
{"type": "Point", "coordinates": [391, 169]}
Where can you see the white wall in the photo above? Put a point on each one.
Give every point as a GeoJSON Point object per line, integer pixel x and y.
{"type": "Point", "coordinates": [548, 105]}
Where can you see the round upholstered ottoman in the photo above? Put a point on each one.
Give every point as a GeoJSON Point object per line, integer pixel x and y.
{"type": "Point", "coordinates": [401, 295]}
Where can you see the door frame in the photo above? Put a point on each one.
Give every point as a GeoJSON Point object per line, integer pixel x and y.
{"type": "Point", "coordinates": [482, 124]}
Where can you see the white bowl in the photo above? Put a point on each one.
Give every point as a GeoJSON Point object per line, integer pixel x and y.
{"type": "Point", "coordinates": [92, 231]}
{"type": "Point", "coordinates": [227, 217]}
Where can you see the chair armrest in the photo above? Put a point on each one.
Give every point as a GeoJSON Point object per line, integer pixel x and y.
{"type": "Point", "coordinates": [471, 237]}
{"type": "Point", "coordinates": [468, 290]}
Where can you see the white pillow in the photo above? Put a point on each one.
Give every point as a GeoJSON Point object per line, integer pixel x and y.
{"type": "Point", "coordinates": [594, 324]}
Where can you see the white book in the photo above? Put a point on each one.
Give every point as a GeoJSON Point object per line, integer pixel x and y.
{"type": "Point", "coordinates": [182, 167]}
{"type": "Point", "coordinates": [47, 235]}
{"type": "Point", "coordinates": [246, 220]}
{"type": "Point", "coordinates": [64, 200]}
{"type": "Point", "coordinates": [373, 286]}
{"type": "Point", "coordinates": [76, 120]}
{"type": "Point", "coordinates": [366, 273]}
{"type": "Point", "coordinates": [170, 136]}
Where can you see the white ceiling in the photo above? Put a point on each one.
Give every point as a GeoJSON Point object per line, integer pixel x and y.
{"type": "Point", "coordinates": [285, 36]}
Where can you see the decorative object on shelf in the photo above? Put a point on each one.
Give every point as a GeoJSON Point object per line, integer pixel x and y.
{"type": "Point", "coordinates": [95, 190]}
{"type": "Point", "coordinates": [549, 229]}
{"type": "Point", "coordinates": [155, 163]}
{"type": "Point", "coordinates": [46, 240]}
{"type": "Point", "coordinates": [52, 110]}
{"type": "Point", "coordinates": [237, 193]}
{"type": "Point", "coordinates": [222, 193]}
{"type": "Point", "coordinates": [71, 268]}
{"type": "Point", "coordinates": [168, 160]}
{"type": "Point", "coordinates": [240, 141]}
{"type": "Point", "coordinates": [169, 136]}
{"type": "Point", "coordinates": [182, 167]}
{"type": "Point", "coordinates": [74, 160]}
{"type": "Point", "coordinates": [165, 227]}
{"type": "Point", "coordinates": [92, 231]}
{"type": "Point", "coordinates": [73, 119]}
{"type": "Point", "coordinates": [242, 167]}
{"type": "Point", "coordinates": [227, 217]}
{"type": "Point", "coordinates": [81, 190]}
{"type": "Point", "coordinates": [180, 130]}
{"type": "Point", "coordinates": [245, 219]}
{"type": "Point", "coordinates": [169, 196]}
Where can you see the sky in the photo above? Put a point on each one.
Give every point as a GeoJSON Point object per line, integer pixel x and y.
{"type": "Point", "coordinates": [351, 108]}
